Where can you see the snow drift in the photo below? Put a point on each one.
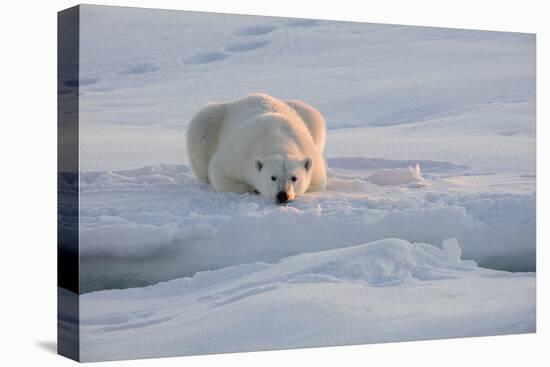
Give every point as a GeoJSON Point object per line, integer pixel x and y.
{"type": "Point", "coordinates": [388, 290]}
{"type": "Point", "coordinates": [401, 176]}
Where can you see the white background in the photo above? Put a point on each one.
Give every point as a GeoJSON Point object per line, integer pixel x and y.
{"type": "Point", "coordinates": [28, 188]}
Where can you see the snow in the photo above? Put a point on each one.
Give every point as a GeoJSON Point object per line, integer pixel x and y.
{"type": "Point", "coordinates": [140, 229]}
{"type": "Point", "coordinates": [431, 139]}
{"type": "Point", "coordinates": [396, 92]}
{"type": "Point", "coordinates": [399, 176]}
{"type": "Point", "coordinates": [387, 290]}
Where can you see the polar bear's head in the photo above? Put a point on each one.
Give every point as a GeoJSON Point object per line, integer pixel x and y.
{"type": "Point", "coordinates": [282, 178]}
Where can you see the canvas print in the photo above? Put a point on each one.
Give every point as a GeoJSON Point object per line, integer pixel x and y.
{"type": "Point", "coordinates": [233, 183]}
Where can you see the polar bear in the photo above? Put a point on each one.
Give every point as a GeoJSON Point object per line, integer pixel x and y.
{"type": "Point", "coordinates": [259, 144]}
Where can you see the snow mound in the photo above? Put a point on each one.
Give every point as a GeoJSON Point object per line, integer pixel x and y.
{"type": "Point", "coordinates": [383, 262]}
{"type": "Point", "coordinates": [390, 261]}
{"type": "Point", "coordinates": [387, 290]}
{"type": "Point", "coordinates": [400, 176]}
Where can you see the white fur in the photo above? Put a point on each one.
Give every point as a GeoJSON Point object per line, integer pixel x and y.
{"type": "Point", "coordinates": [239, 146]}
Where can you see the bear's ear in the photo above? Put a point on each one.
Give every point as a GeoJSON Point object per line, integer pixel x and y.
{"type": "Point", "coordinates": [259, 163]}
{"type": "Point", "coordinates": [307, 162]}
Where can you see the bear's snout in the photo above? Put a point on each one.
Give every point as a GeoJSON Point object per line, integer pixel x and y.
{"type": "Point", "coordinates": [282, 197]}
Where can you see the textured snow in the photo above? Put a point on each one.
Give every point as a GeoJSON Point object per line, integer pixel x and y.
{"type": "Point", "coordinates": [388, 290]}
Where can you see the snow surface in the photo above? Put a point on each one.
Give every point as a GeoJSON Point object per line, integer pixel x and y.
{"type": "Point", "coordinates": [388, 290]}
{"type": "Point", "coordinates": [431, 136]}
{"type": "Point", "coordinates": [141, 228]}
{"type": "Point", "coordinates": [397, 92]}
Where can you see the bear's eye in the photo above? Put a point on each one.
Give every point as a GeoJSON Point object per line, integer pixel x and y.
{"type": "Point", "coordinates": [294, 178]}
{"type": "Point", "coordinates": [273, 178]}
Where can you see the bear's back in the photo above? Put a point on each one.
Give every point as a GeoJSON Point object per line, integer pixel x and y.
{"type": "Point", "coordinates": [253, 105]}
{"type": "Point", "coordinates": [260, 122]}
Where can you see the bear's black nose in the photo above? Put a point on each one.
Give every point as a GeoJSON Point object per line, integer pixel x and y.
{"type": "Point", "coordinates": [282, 197]}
